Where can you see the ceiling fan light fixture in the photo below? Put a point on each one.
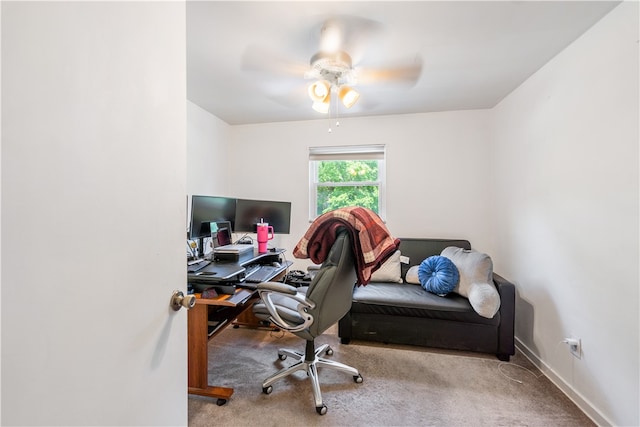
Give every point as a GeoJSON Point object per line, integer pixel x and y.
{"type": "Point", "coordinates": [319, 90]}
{"type": "Point", "coordinates": [348, 96]}
{"type": "Point", "coordinates": [322, 106]}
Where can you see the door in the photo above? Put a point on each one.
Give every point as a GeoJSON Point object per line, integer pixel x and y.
{"type": "Point", "coordinates": [93, 215]}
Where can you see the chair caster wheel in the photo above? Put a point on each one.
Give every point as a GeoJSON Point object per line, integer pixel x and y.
{"type": "Point", "coordinates": [329, 352]}
{"type": "Point", "coordinates": [282, 356]}
{"type": "Point", "coordinates": [221, 402]}
{"type": "Point", "coordinates": [357, 379]}
{"type": "Point", "coordinates": [321, 409]}
{"type": "Point", "coordinates": [267, 390]}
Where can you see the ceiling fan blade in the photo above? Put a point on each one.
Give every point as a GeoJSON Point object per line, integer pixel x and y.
{"type": "Point", "coordinates": [407, 74]}
{"type": "Point", "coordinates": [295, 97]}
{"type": "Point", "coordinates": [262, 60]}
{"type": "Point", "coordinates": [349, 33]}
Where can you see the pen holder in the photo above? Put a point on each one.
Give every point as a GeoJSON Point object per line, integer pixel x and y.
{"type": "Point", "coordinates": [265, 233]}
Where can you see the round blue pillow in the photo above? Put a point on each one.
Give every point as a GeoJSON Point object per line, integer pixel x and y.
{"type": "Point", "coordinates": [438, 275]}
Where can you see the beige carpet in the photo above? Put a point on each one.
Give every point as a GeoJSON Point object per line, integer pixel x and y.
{"type": "Point", "coordinates": [403, 386]}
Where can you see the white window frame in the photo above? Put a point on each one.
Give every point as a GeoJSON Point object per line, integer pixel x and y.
{"type": "Point", "coordinates": [348, 152]}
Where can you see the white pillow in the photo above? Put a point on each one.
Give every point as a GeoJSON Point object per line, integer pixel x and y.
{"type": "Point", "coordinates": [389, 271]}
{"type": "Point", "coordinates": [476, 279]}
{"type": "Point", "coordinates": [412, 275]}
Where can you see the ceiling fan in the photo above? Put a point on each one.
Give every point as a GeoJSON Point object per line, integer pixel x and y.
{"type": "Point", "coordinates": [343, 41]}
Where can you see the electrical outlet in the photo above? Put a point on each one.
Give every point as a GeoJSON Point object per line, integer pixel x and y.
{"type": "Point", "coordinates": [575, 346]}
{"type": "Point", "coordinates": [576, 349]}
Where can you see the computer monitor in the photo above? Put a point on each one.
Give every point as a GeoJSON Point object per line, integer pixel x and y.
{"type": "Point", "coordinates": [251, 212]}
{"type": "Point", "coordinates": [208, 209]}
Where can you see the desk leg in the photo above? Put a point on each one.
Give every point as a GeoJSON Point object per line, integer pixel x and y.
{"type": "Point", "coordinates": [198, 356]}
{"type": "Point", "coordinates": [247, 318]}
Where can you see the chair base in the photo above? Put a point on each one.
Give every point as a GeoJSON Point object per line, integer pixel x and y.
{"type": "Point", "coordinates": [310, 362]}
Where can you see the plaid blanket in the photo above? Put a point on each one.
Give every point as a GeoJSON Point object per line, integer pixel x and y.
{"type": "Point", "coordinates": [371, 242]}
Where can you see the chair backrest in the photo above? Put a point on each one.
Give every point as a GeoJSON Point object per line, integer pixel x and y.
{"type": "Point", "coordinates": [332, 287]}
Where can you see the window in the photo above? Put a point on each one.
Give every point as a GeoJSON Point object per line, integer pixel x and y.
{"type": "Point", "coordinates": [346, 176]}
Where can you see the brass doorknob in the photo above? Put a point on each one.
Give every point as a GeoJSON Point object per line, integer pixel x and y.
{"type": "Point", "coordinates": [179, 300]}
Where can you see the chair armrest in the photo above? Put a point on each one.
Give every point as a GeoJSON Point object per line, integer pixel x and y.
{"type": "Point", "coordinates": [277, 287]}
{"type": "Point", "coordinates": [267, 290]}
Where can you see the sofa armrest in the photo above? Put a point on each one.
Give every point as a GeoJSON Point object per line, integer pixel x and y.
{"type": "Point", "coordinates": [507, 291]}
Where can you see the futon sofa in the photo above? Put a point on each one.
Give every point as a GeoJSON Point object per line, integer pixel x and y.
{"type": "Point", "coordinates": [405, 313]}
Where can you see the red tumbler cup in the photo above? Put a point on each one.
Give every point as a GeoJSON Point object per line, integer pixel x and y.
{"type": "Point", "coordinates": [265, 233]}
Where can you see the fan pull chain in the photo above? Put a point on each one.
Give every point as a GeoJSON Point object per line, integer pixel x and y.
{"type": "Point", "coordinates": [335, 98]}
{"type": "Point", "coordinates": [331, 99]}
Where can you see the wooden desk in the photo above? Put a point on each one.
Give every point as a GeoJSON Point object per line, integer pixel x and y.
{"type": "Point", "coordinates": [198, 338]}
{"type": "Point", "coordinates": [225, 307]}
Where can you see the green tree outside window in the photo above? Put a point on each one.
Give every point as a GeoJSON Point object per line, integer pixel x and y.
{"type": "Point", "coordinates": [347, 183]}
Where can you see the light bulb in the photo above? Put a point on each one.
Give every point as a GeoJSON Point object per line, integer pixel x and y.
{"type": "Point", "coordinates": [318, 91]}
{"type": "Point", "coordinates": [321, 106]}
{"type": "Point", "coordinates": [348, 96]}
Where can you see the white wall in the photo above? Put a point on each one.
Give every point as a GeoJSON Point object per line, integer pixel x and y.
{"type": "Point", "coordinates": [93, 189]}
{"type": "Point", "coordinates": [437, 170]}
{"type": "Point", "coordinates": [207, 158]}
{"type": "Point", "coordinates": [207, 141]}
{"type": "Point", "coordinates": [566, 191]}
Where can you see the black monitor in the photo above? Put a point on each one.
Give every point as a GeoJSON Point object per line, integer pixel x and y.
{"type": "Point", "coordinates": [208, 209]}
{"type": "Point", "coordinates": [251, 212]}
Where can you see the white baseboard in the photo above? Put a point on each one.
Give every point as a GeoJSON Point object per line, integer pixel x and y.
{"type": "Point", "coordinates": [582, 403]}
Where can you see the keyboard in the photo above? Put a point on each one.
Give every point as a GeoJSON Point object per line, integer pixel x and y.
{"type": "Point", "coordinates": [250, 269]}
{"type": "Point", "coordinates": [192, 268]}
{"type": "Point", "coordinates": [261, 274]}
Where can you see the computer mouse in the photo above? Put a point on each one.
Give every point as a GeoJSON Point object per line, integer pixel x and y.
{"type": "Point", "coordinates": [276, 264]}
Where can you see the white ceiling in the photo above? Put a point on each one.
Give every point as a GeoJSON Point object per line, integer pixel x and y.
{"type": "Point", "coordinates": [474, 53]}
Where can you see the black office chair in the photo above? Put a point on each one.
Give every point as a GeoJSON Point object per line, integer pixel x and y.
{"type": "Point", "coordinates": [308, 311]}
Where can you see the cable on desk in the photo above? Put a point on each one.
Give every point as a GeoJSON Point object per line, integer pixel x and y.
{"type": "Point", "coordinates": [244, 236]}
{"type": "Point", "coordinates": [284, 258]}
